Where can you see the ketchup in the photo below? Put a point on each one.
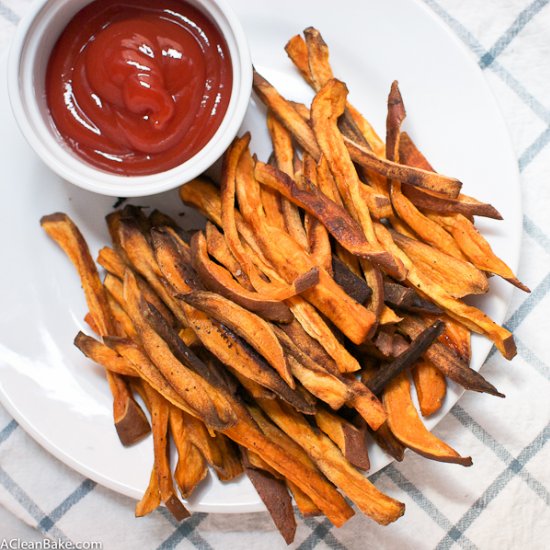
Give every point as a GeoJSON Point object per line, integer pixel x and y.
{"type": "Point", "coordinates": [138, 87]}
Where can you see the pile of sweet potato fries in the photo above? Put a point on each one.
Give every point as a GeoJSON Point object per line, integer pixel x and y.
{"type": "Point", "coordinates": [281, 338]}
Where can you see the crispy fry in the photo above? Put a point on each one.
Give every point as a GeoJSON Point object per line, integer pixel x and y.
{"type": "Point", "coordinates": [104, 356]}
{"type": "Point", "coordinates": [314, 325]}
{"type": "Point", "coordinates": [297, 51]}
{"type": "Point", "coordinates": [317, 234]}
{"type": "Point", "coordinates": [327, 106]}
{"type": "Point", "coordinates": [147, 371]}
{"type": "Point", "coordinates": [252, 328]}
{"type": "Point", "coordinates": [331, 462]}
{"type": "Point", "coordinates": [284, 155]}
{"type": "Point", "coordinates": [160, 413]}
{"type": "Point", "coordinates": [191, 467]}
{"type": "Point", "coordinates": [430, 386]}
{"type": "Point", "coordinates": [218, 249]}
{"type": "Point", "coordinates": [193, 389]}
{"type": "Point", "coordinates": [305, 505]}
{"type": "Point", "coordinates": [476, 248]}
{"type": "Point", "coordinates": [388, 442]}
{"type": "Point", "coordinates": [408, 428]}
{"type": "Point", "coordinates": [232, 352]}
{"type": "Point", "coordinates": [407, 358]}
{"type": "Point", "coordinates": [458, 277]}
{"type": "Point", "coordinates": [269, 290]}
{"type": "Point", "coordinates": [406, 298]}
{"type": "Point", "coordinates": [349, 439]}
{"type": "Point", "coordinates": [287, 458]}
{"type": "Point", "coordinates": [351, 283]}
{"type": "Point", "coordinates": [446, 361]}
{"type": "Point", "coordinates": [287, 114]}
{"type": "Point", "coordinates": [151, 498]}
{"type": "Point", "coordinates": [337, 221]}
{"type": "Point", "coordinates": [112, 261]}
{"type": "Point", "coordinates": [130, 421]}
{"type": "Point", "coordinates": [430, 232]}
{"type": "Point", "coordinates": [219, 280]}
{"type": "Point", "coordinates": [274, 494]}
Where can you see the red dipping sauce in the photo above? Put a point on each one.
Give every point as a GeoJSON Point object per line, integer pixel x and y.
{"type": "Point", "coordinates": [138, 87]}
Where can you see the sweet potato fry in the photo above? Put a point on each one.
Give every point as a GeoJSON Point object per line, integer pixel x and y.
{"type": "Point", "coordinates": [233, 353]}
{"type": "Point", "coordinates": [287, 114]}
{"type": "Point", "coordinates": [349, 439]}
{"type": "Point", "coordinates": [65, 233]}
{"type": "Point", "coordinates": [103, 355]}
{"type": "Point", "coordinates": [315, 326]}
{"type": "Point", "coordinates": [327, 106]}
{"type": "Point", "coordinates": [405, 174]}
{"type": "Point", "coordinates": [284, 456]}
{"type": "Point", "coordinates": [351, 283]}
{"type": "Point", "coordinates": [250, 327]}
{"type": "Point", "coordinates": [458, 277]}
{"type": "Point", "coordinates": [147, 371]}
{"type": "Point", "coordinates": [446, 361]}
{"type": "Point", "coordinates": [429, 231]}
{"type": "Point", "coordinates": [275, 496]}
{"type": "Point", "coordinates": [130, 421]}
{"type": "Point", "coordinates": [388, 442]}
{"type": "Point", "coordinates": [476, 248]}
{"type": "Point", "coordinates": [160, 414]}
{"type": "Point", "coordinates": [140, 255]}
{"type": "Point", "coordinates": [151, 498]}
{"type": "Point", "coordinates": [305, 505]}
{"type": "Point", "coordinates": [406, 298]}
{"type": "Point", "coordinates": [407, 358]}
{"type": "Point", "coordinates": [218, 249]}
{"type": "Point", "coordinates": [269, 290]}
{"type": "Point", "coordinates": [331, 462]}
{"type": "Point", "coordinates": [468, 316]}
{"type": "Point", "coordinates": [406, 425]}
{"type": "Point", "coordinates": [296, 50]}
{"type": "Point", "coordinates": [219, 280]}
{"type": "Point", "coordinates": [430, 387]}
{"type": "Point", "coordinates": [191, 467]}
{"type": "Point", "coordinates": [112, 261]}
{"type": "Point", "coordinates": [336, 220]}
{"type": "Point", "coordinates": [284, 155]}
{"type": "Point", "coordinates": [200, 396]}
{"type": "Point", "coordinates": [317, 234]}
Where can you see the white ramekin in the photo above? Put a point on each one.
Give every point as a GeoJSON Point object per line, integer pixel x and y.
{"type": "Point", "coordinates": [30, 50]}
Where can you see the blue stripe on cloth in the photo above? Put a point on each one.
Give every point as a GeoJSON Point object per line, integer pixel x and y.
{"type": "Point", "coordinates": [534, 149]}
{"type": "Point", "coordinates": [194, 536]}
{"type": "Point", "coordinates": [489, 441]}
{"type": "Point", "coordinates": [536, 233]}
{"type": "Point", "coordinates": [57, 513]}
{"type": "Point", "coordinates": [28, 504]}
{"type": "Point", "coordinates": [470, 40]}
{"type": "Point", "coordinates": [538, 294]}
{"type": "Point", "coordinates": [515, 28]}
{"type": "Point", "coordinates": [320, 532]}
{"type": "Point", "coordinates": [7, 431]}
{"type": "Point", "coordinates": [424, 503]}
{"type": "Point", "coordinates": [8, 14]}
{"type": "Point", "coordinates": [532, 359]}
{"type": "Point", "coordinates": [494, 489]}
{"type": "Point", "coordinates": [184, 530]}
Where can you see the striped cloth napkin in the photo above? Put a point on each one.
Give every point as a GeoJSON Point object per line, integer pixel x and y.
{"type": "Point", "coordinates": [502, 502]}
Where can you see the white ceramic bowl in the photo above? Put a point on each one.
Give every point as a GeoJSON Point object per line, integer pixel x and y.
{"type": "Point", "coordinates": [30, 50]}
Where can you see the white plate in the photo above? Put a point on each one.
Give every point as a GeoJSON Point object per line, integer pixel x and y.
{"type": "Point", "coordinates": [58, 396]}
